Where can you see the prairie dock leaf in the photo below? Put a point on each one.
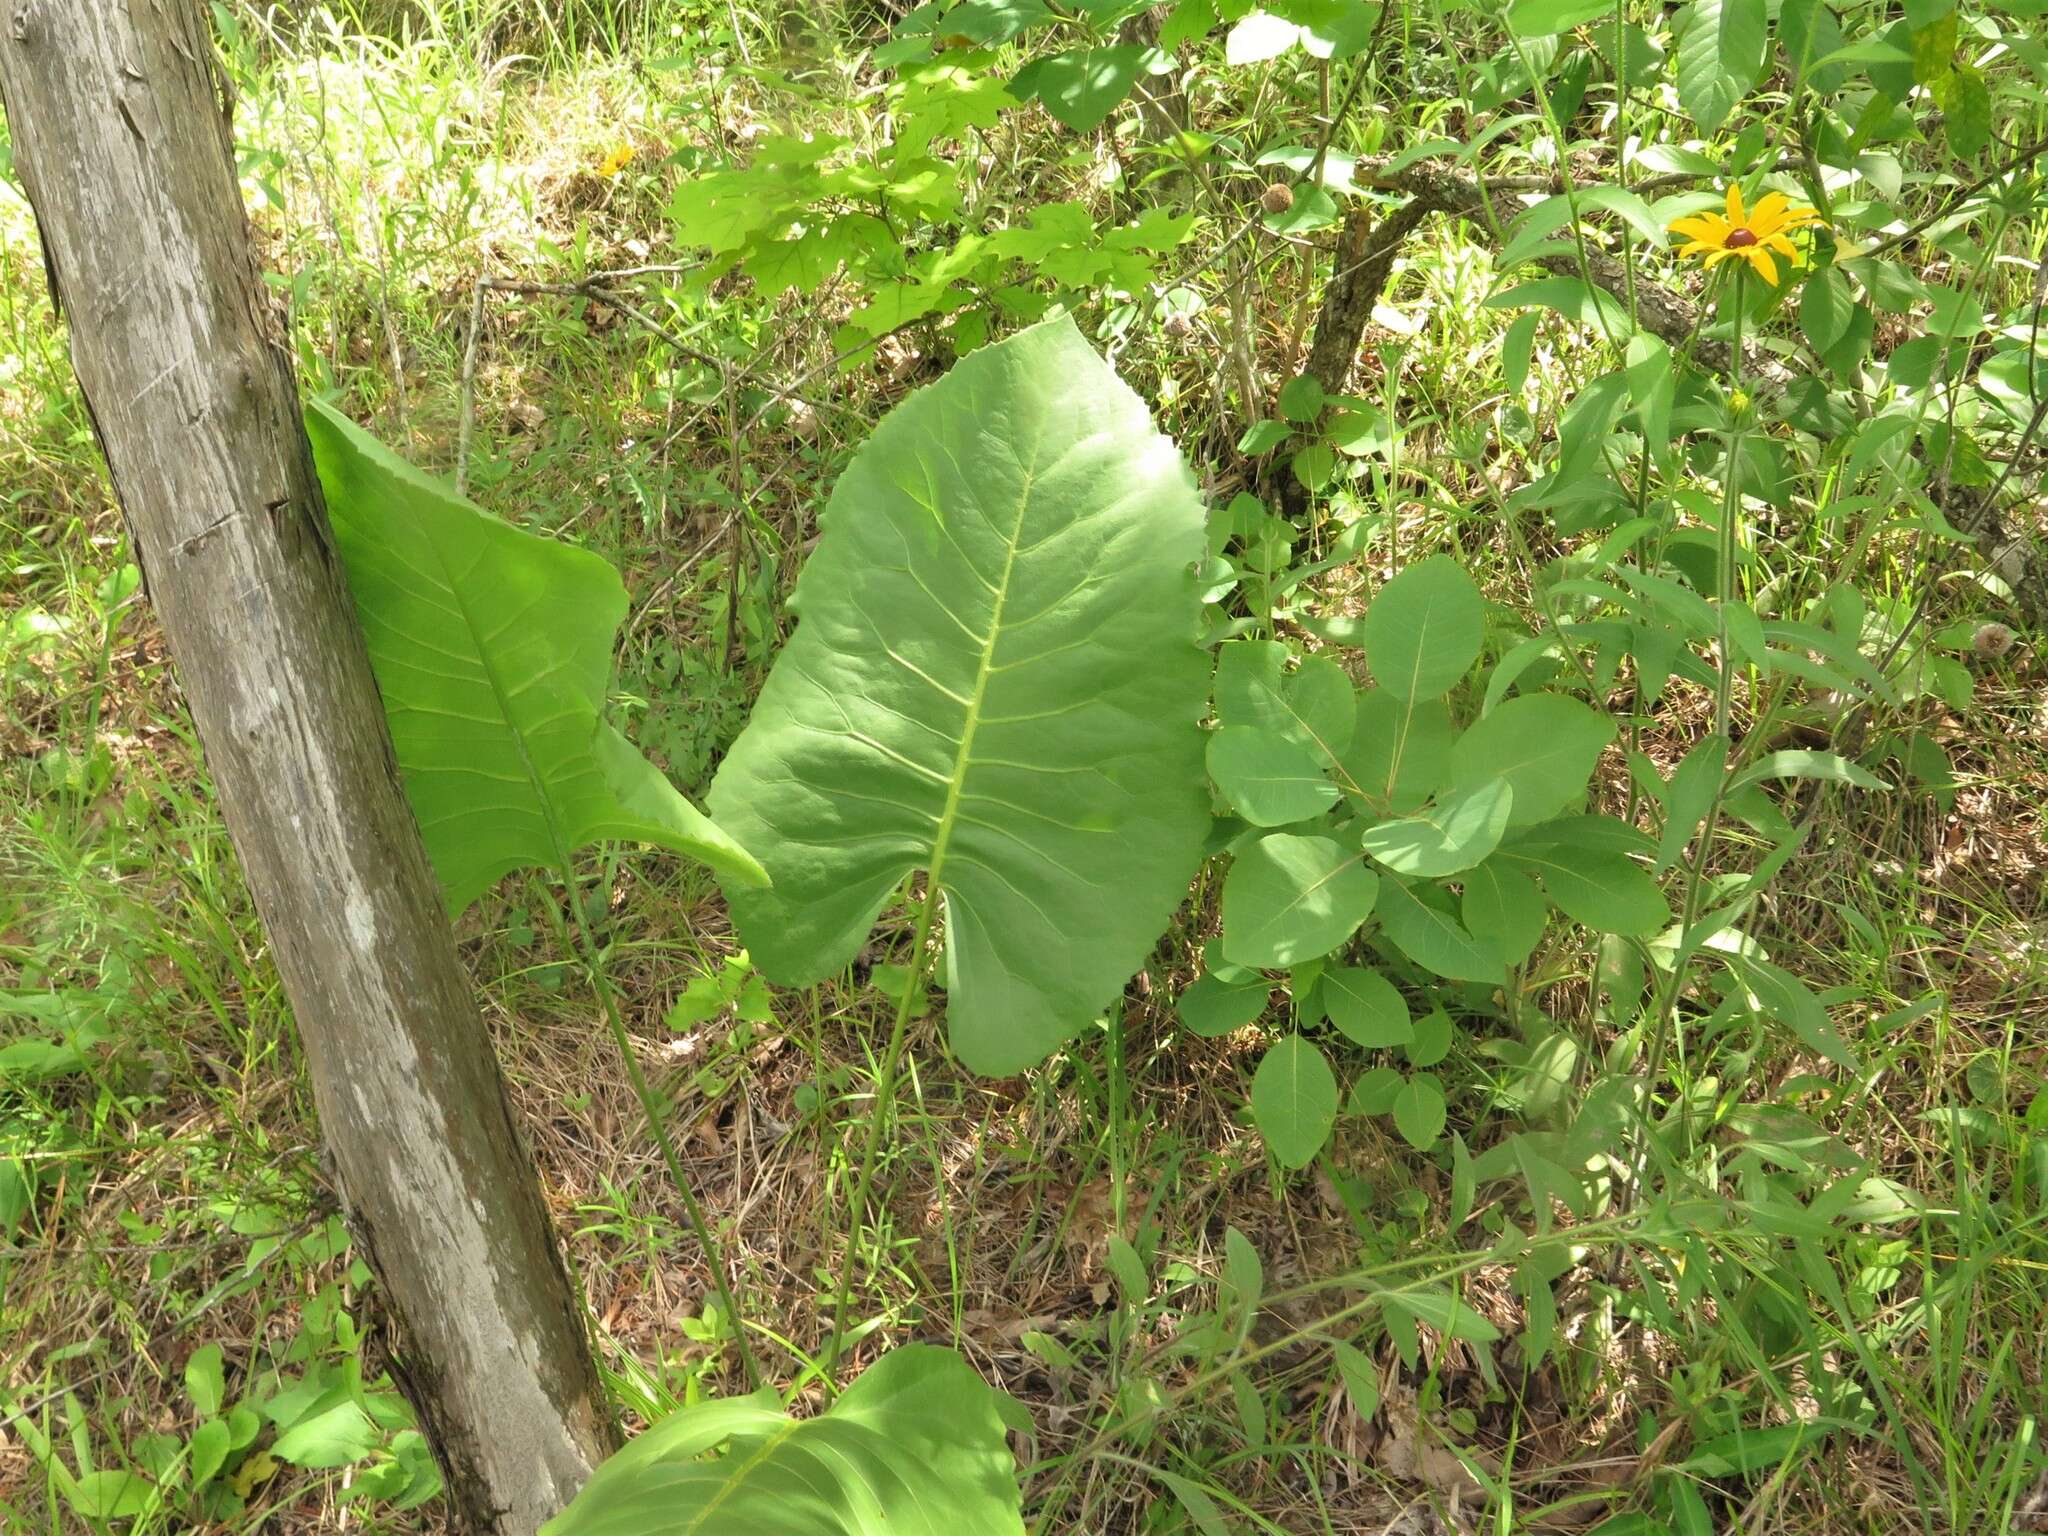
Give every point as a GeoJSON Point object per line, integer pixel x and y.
{"type": "Point", "coordinates": [492, 649]}
{"type": "Point", "coordinates": [994, 679]}
{"type": "Point", "coordinates": [915, 1447]}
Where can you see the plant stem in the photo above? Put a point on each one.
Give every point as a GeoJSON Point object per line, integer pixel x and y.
{"type": "Point", "coordinates": [878, 1119]}
{"type": "Point", "coordinates": [1665, 1014]}
{"type": "Point", "coordinates": [651, 1106]}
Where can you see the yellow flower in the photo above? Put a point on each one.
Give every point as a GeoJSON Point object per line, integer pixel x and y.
{"type": "Point", "coordinates": [617, 160]}
{"type": "Point", "coordinates": [1750, 234]}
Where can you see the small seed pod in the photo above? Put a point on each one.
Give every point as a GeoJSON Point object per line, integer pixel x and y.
{"type": "Point", "coordinates": [1277, 198]}
{"type": "Point", "coordinates": [1177, 326]}
{"type": "Point", "coordinates": [1992, 640]}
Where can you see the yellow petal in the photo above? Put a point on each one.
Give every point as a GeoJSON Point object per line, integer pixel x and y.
{"type": "Point", "coordinates": [1715, 258]}
{"type": "Point", "coordinates": [1697, 248]}
{"type": "Point", "coordinates": [1781, 244]}
{"type": "Point", "coordinates": [1760, 258]}
{"type": "Point", "coordinates": [1768, 211]}
{"type": "Point", "coordinates": [1702, 226]}
{"type": "Point", "coordinates": [1735, 213]}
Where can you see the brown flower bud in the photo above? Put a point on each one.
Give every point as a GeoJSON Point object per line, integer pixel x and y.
{"type": "Point", "coordinates": [1177, 326]}
{"type": "Point", "coordinates": [1992, 640]}
{"type": "Point", "coordinates": [1277, 198]}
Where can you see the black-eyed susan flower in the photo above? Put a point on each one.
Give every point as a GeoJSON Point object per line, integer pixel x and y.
{"type": "Point", "coordinates": [616, 161]}
{"type": "Point", "coordinates": [1751, 234]}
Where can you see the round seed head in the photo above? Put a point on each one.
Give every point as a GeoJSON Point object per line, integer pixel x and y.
{"type": "Point", "coordinates": [1992, 640]}
{"type": "Point", "coordinates": [1277, 198]}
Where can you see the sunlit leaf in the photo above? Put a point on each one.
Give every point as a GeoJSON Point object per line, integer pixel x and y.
{"type": "Point", "coordinates": [993, 679]}
{"type": "Point", "coordinates": [492, 649]}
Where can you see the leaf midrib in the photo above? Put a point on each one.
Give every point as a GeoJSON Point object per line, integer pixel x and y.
{"type": "Point", "coordinates": [942, 838]}
{"type": "Point", "coordinates": [563, 862]}
{"type": "Point", "coordinates": [738, 1477]}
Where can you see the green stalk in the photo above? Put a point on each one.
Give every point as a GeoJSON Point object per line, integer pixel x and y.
{"type": "Point", "coordinates": [1724, 695]}
{"type": "Point", "coordinates": [878, 1119]}
{"type": "Point", "coordinates": [657, 1125]}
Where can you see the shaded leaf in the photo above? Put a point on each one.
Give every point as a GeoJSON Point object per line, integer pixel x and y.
{"type": "Point", "coordinates": [1366, 1007]}
{"type": "Point", "coordinates": [1454, 835]}
{"type": "Point", "coordinates": [1720, 58]}
{"type": "Point", "coordinates": [915, 1447]}
{"type": "Point", "coordinates": [1419, 1111]}
{"type": "Point", "coordinates": [1289, 899]}
{"type": "Point", "coordinates": [1269, 779]}
{"type": "Point", "coordinates": [1212, 1007]}
{"type": "Point", "coordinates": [1449, 1315]}
{"type": "Point", "coordinates": [1432, 938]}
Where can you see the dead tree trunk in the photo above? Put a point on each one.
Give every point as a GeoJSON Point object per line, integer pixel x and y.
{"type": "Point", "coordinates": [120, 130]}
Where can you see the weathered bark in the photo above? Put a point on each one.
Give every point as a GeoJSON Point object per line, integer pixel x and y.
{"type": "Point", "coordinates": [120, 131]}
{"type": "Point", "coordinates": [1363, 262]}
{"type": "Point", "coordinates": [1365, 259]}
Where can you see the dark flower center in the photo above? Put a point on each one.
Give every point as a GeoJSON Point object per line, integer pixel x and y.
{"type": "Point", "coordinates": [1739, 237]}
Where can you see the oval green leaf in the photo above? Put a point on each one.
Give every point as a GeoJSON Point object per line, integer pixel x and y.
{"type": "Point", "coordinates": [1432, 938]}
{"type": "Point", "coordinates": [1419, 1111]}
{"type": "Point", "coordinates": [1608, 892]}
{"type": "Point", "coordinates": [1213, 1007]}
{"type": "Point", "coordinates": [1366, 1007]}
{"type": "Point", "coordinates": [1289, 899]}
{"type": "Point", "coordinates": [1545, 745]}
{"type": "Point", "coordinates": [1269, 779]}
{"type": "Point", "coordinates": [1423, 632]}
{"type": "Point", "coordinates": [1294, 1101]}
{"type": "Point", "coordinates": [1451, 837]}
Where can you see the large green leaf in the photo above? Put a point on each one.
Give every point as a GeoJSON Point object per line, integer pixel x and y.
{"type": "Point", "coordinates": [492, 649]}
{"type": "Point", "coordinates": [995, 680]}
{"type": "Point", "coordinates": [915, 1447]}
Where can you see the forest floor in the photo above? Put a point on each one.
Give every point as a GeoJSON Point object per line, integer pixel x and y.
{"type": "Point", "coordinates": [161, 1185]}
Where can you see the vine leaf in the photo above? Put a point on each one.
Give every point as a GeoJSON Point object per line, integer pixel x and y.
{"type": "Point", "coordinates": [994, 678]}
{"type": "Point", "coordinates": [492, 649]}
{"type": "Point", "coordinates": [915, 1447]}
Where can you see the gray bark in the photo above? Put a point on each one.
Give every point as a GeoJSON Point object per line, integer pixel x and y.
{"type": "Point", "coordinates": [121, 135]}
